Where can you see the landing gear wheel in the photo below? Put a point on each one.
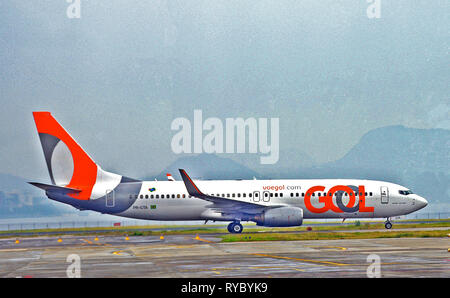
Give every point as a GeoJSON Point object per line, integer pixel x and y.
{"type": "Point", "coordinates": [235, 228]}
{"type": "Point", "coordinates": [230, 227]}
{"type": "Point", "coordinates": [388, 225]}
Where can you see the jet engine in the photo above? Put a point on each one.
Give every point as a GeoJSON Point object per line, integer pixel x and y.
{"type": "Point", "coordinates": [280, 217]}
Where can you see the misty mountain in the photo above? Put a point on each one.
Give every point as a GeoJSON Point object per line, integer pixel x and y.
{"type": "Point", "coordinates": [289, 159]}
{"type": "Point", "coordinates": [401, 149]}
{"type": "Point", "coordinates": [416, 158]}
{"type": "Point", "coordinates": [208, 166]}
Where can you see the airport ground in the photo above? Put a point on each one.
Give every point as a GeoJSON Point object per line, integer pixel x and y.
{"type": "Point", "coordinates": [412, 252]}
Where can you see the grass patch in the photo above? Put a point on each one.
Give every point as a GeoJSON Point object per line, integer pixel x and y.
{"type": "Point", "coordinates": [330, 235]}
{"type": "Point", "coordinates": [156, 230]}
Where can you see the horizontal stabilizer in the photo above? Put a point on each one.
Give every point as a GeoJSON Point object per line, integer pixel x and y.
{"type": "Point", "coordinates": [54, 188]}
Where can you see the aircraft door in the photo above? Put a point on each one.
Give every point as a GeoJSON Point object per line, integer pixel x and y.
{"type": "Point", "coordinates": [110, 198]}
{"type": "Point", "coordinates": [266, 196]}
{"type": "Point", "coordinates": [384, 195]}
{"type": "Point", "coordinates": [256, 196]}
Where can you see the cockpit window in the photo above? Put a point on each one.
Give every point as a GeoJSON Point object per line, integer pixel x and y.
{"type": "Point", "coordinates": [405, 192]}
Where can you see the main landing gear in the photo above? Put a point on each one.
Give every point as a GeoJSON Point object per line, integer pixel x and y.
{"type": "Point", "coordinates": [235, 227]}
{"type": "Point", "coordinates": [388, 224]}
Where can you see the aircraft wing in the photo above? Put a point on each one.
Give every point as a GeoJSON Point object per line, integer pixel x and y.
{"type": "Point", "coordinates": [223, 205]}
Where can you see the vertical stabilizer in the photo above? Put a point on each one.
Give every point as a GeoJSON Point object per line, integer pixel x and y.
{"type": "Point", "coordinates": [68, 164]}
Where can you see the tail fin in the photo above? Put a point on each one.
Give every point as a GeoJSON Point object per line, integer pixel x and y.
{"type": "Point", "coordinates": [68, 164]}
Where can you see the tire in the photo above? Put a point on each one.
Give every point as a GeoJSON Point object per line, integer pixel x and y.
{"type": "Point", "coordinates": [388, 225]}
{"type": "Point", "coordinates": [237, 228]}
{"type": "Point", "coordinates": [230, 227]}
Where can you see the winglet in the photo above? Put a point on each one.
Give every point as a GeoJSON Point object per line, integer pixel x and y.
{"type": "Point", "coordinates": [190, 185]}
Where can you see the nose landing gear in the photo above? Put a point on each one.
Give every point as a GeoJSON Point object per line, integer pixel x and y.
{"type": "Point", "coordinates": [235, 227]}
{"type": "Point", "coordinates": [388, 224]}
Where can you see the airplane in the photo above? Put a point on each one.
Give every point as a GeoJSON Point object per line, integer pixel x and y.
{"type": "Point", "coordinates": [169, 177]}
{"type": "Point", "coordinates": [80, 182]}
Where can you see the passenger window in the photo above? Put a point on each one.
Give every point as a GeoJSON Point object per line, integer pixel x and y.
{"type": "Point", "coordinates": [178, 196]}
{"type": "Point", "coordinates": [151, 196]}
{"type": "Point", "coordinates": [276, 195]}
{"type": "Point", "coordinates": [250, 195]}
{"type": "Point", "coordinates": [243, 195]}
{"type": "Point", "coordinates": [157, 196]}
{"type": "Point", "coordinates": [281, 194]}
{"type": "Point", "coordinates": [146, 196]}
{"type": "Point", "coordinates": [271, 194]}
{"type": "Point", "coordinates": [141, 196]}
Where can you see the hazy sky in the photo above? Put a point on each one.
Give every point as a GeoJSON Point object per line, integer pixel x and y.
{"type": "Point", "coordinates": [118, 76]}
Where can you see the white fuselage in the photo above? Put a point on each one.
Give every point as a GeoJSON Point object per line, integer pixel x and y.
{"type": "Point", "coordinates": [178, 205]}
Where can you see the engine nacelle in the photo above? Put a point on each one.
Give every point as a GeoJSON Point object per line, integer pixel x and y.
{"type": "Point", "coordinates": [280, 217]}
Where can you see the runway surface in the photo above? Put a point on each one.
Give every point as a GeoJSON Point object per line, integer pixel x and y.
{"type": "Point", "coordinates": [204, 256]}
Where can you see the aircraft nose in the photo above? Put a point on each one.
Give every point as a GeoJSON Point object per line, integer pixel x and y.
{"type": "Point", "coordinates": [421, 202]}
